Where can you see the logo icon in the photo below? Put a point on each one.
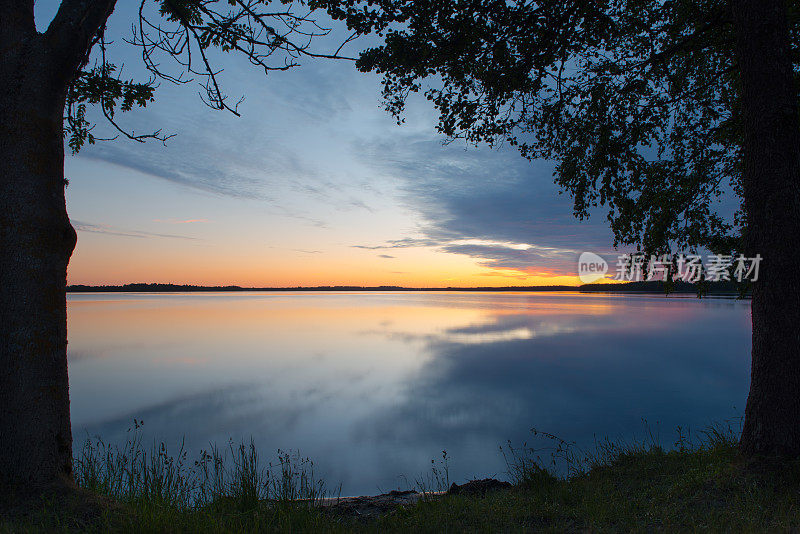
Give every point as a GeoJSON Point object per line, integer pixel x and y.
{"type": "Point", "coordinates": [591, 267]}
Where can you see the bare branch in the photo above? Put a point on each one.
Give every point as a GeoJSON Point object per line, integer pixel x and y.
{"type": "Point", "coordinates": [180, 42]}
{"type": "Point", "coordinates": [270, 39]}
{"type": "Point", "coordinates": [108, 107]}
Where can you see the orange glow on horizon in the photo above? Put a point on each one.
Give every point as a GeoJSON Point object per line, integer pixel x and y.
{"type": "Point", "coordinates": [110, 260]}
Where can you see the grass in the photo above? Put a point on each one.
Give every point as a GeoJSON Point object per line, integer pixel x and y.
{"type": "Point", "coordinates": [700, 483]}
{"type": "Point", "coordinates": [236, 475]}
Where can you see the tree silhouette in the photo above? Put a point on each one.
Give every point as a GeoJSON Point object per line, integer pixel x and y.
{"type": "Point", "coordinates": [47, 80]}
{"type": "Point", "coordinates": [655, 111]}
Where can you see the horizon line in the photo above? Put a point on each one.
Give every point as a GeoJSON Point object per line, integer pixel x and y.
{"type": "Point", "coordinates": [652, 286]}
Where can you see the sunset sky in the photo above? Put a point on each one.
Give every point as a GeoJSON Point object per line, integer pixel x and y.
{"type": "Point", "coordinates": [314, 185]}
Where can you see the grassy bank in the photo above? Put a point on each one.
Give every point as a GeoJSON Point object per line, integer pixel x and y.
{"type": "Point", "coordinates": [700, 485]}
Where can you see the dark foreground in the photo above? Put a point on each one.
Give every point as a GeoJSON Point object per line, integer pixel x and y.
{"type": "Point", "coordinates": [707, 486]}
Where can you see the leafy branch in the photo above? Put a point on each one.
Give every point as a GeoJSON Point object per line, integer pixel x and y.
{"type": "Point", "coordinates": [189, 34]}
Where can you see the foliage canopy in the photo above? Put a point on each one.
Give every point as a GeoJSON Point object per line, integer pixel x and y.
{"type": "Point", "coordinates": [636, 101]}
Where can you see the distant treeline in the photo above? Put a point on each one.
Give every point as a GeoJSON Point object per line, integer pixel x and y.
{"type": "Point", "coordinates": [713, 288]}
{"type": "Point", "coordinates": [705, 288]}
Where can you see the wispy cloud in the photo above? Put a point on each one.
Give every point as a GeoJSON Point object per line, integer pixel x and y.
{"type": "Point", "coordinates": [279, 152]}
{"type": "Point", "coordinates": [491, 205]}
{"type": "Point", "coordinates": [180, 221]}
{"type": "Point", "coordinates": [406, 242]}
{"type": "Point", "coordinates": [82, 226]}
{"type": "Point", "coordinates": [387, 256]}
{"type": "Point", "coordinates": [300, 250]}
{"type": "Point", "coordinates": [532, 260]}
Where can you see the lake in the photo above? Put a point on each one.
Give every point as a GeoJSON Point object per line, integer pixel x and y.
{"type": "Point", "coordinates": [373, 386]}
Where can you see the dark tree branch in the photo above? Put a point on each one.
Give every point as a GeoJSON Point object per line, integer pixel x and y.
{"type": "Point", "coordinates": [189, 35]}
{"type": "Point", "coordinates": [108, 107]}
{"type": "Point", "coordinates": [74, 30]}
{"type": "Point", "coordinates": [717, 19]}
{"type": "Point", "coordinates": [244, 26]}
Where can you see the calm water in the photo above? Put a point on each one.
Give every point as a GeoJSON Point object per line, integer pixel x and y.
{"type": "Point", "coordinates": [372, 386]}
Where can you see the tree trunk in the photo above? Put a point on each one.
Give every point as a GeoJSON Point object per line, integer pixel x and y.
{"type": "Point", "coordinates": [771, 184]}
{"type": "Point", "coordinates": [36, 241]}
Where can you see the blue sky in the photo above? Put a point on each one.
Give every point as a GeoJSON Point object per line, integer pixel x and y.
{"type": "Point", "coordinates": [314, 184]}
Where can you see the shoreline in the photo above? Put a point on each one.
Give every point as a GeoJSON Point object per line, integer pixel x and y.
{"type": "Point", "coordinates": [705, 485]}
{"type": "Point", "coordinates": [727, 289]}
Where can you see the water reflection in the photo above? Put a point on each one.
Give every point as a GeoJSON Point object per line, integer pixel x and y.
{"type": "Point", "coordinates": [373, 386]}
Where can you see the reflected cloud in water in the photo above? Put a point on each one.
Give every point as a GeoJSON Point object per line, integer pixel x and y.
{"type": "Point", "coordinates": [373, 386]}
